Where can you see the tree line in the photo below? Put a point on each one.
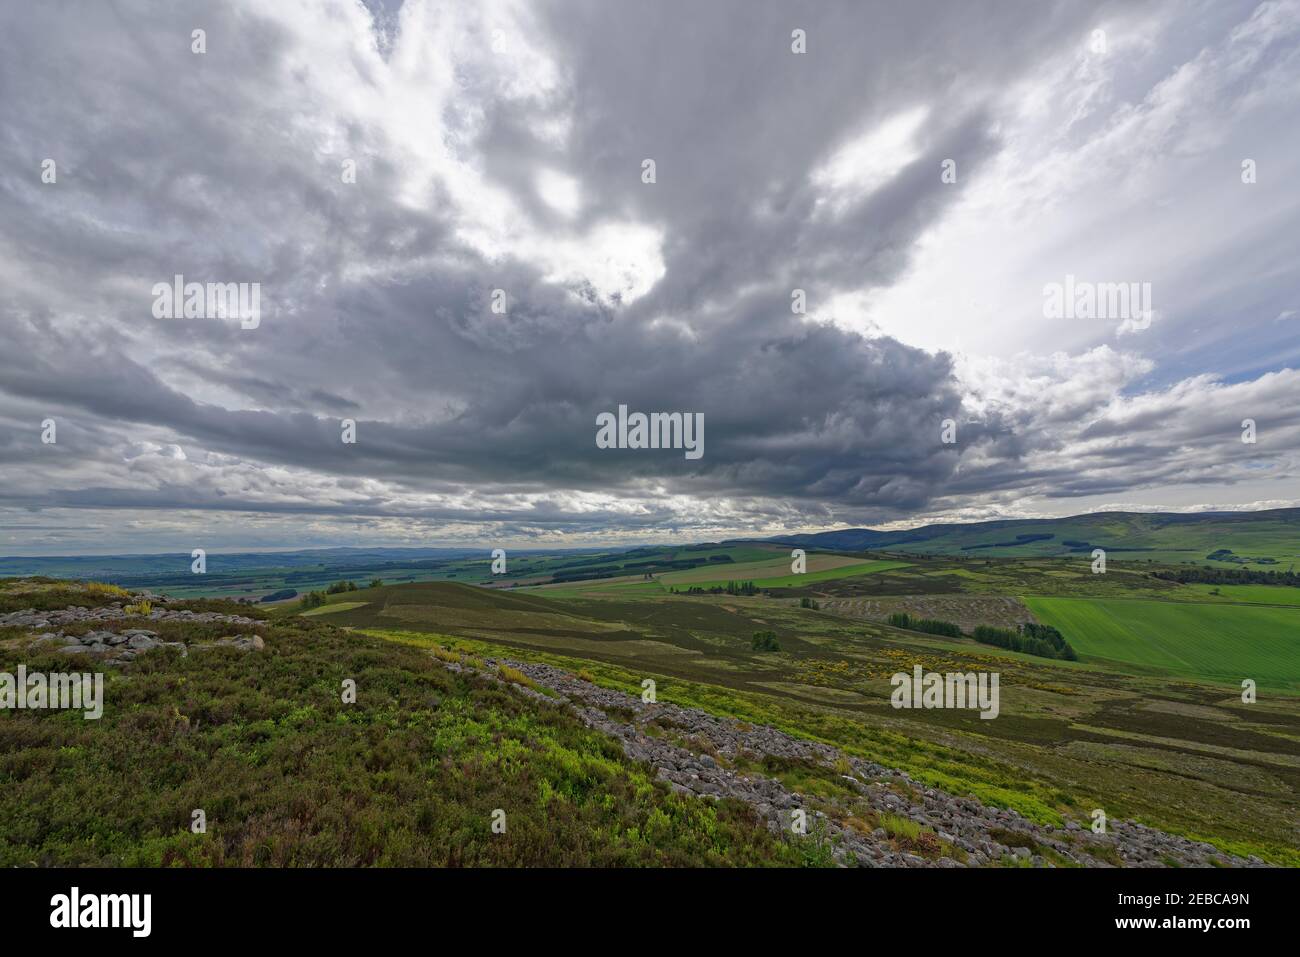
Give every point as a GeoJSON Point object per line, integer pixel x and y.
{"type": "Point", "coordinates": [732, 588]}
{"type": "Point", "coordinates": [1030, 638]}
{"type": "Point", "coordinates": [1228, 576]}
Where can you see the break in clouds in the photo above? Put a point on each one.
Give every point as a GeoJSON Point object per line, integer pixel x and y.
{"type": "Point", "coordinates": [445, 211]}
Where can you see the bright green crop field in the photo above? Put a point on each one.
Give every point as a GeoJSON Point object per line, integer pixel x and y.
{"type": "Point", "coordinates": [1220, 642]}
{"type": "Point", "coordinates": [1251, 594]}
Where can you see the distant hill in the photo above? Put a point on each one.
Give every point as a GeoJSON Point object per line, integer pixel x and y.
{"type": "Point", "coordinates": [1259, 539]}
{"type": "Point", "coordinates": [95, 566]}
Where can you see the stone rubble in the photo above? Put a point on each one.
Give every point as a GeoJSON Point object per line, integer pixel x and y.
{"type": "Point", "coordinates": [963, 823]}
{"type": "Point", "coordinates": [74, 614]}
{"type": "Point", "coordinates": [122, 647]}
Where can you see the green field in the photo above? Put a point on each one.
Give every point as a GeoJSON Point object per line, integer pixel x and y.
{"type": "Point", "coordinates": [600, 588]}
{"type": "Point", "coordinates": [1149, 723]}
{"type": "Point", "coordinates": [1139, 738]}
{"type": "Point", "coordinates": [1250, 594]}
{"type": "Point", "coordinates": [776, 574]}
{"type": "Point", "coordinates": [332, 607]}
{"type": "Point", "coordinates": [250, 575]}
{"type": "Point", "coordinates": [1219, 642]}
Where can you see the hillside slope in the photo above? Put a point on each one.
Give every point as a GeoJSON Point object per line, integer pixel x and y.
{"type": "Point", "coordinates": [288, 774]}
{"type": "Point", "coordinates": [1273, 535]}
{"type": "Point", "coordinates": [258, 735]}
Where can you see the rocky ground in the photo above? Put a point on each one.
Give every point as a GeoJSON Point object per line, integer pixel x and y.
{"type": "Point", "coordinates": [701, 754]}
{"type": "Point", "coordinates": [120, 647]}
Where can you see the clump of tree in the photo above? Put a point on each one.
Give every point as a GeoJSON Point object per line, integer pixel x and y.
{"type": "Point", "coordinates": [1030, 638]}
{"type": "Point", "coordinates": [313, 599]}
{"type": "Point", "coordinates": [376, 583]}
{"type": "Point", "coordinates": [765, 641]}
{"type": "Point", "coordinates": [339, 587]}
{"type": "Point", "coordinates": [732, 588]}
{"type": "Point", "coordinates": [1228, 576]}
{"type": "Point", "coordinates": [284, 594]}
{"type": "Point", "coordinates": [931, 626]}
{"type": "Point", "coordinates": [807, 603]}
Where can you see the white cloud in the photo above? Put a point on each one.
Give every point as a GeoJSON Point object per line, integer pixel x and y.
{"type": "Point", "coordinates": [871, 159]}
{"type": "Point", "coordinates": [560, 192]}
{"type": "Point", "coordinates": [1115, 168]}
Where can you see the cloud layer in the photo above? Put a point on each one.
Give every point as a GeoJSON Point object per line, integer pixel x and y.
{"type": "Point", "coordinates": [501, 146]}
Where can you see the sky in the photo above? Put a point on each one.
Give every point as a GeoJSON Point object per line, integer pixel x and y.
{"type": "Point", "coordinates": [840, 256]}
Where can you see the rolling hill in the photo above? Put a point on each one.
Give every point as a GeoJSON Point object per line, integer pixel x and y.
{"type": "Point", "coordinates": [1259, 540]}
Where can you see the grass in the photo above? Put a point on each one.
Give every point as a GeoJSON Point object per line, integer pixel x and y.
{"type": "Point", "coordinates": [332, 607]}
{"type": "Point", "coordinates": [1220, 642]}
{"type": "Point", "coordinates": [289, 775]}
{"type": "Point", "coordinates": [776, 574]}
{"type": "Point", "coordinates": [249, 575]}
{"type": "Point", "coordinates": [1250, 594]}
{"type": "Point", "coordinates": [106, 591]}
{"type": "Point", "coordinates": [1071, 735]}
{"type": "Point", "coordinates": [931, 763]}
{"type": "Point", "coordinates": [515, 676]}
{"type": "Point", "coordinates": [1136, 738]}
{"type": "Point", "coordinates": [899, 826]}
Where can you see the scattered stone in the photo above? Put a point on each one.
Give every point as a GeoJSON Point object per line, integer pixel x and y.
{"type": "Point", "coordinates": [124, 646]}
{"type": "Point", "coordinates": [241, 642]}
{"type": "Point", "coordinates": [956, 824]}
{"type": "Point", "coordinates": [75, 614]}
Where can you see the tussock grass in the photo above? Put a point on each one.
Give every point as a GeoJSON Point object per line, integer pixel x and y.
{"type": "Point", "coordinates": [899, 826]}
{"type": "Point", "coordinates": [110, 591]}
{"type": "Point", "coordinates": [515, 676]}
